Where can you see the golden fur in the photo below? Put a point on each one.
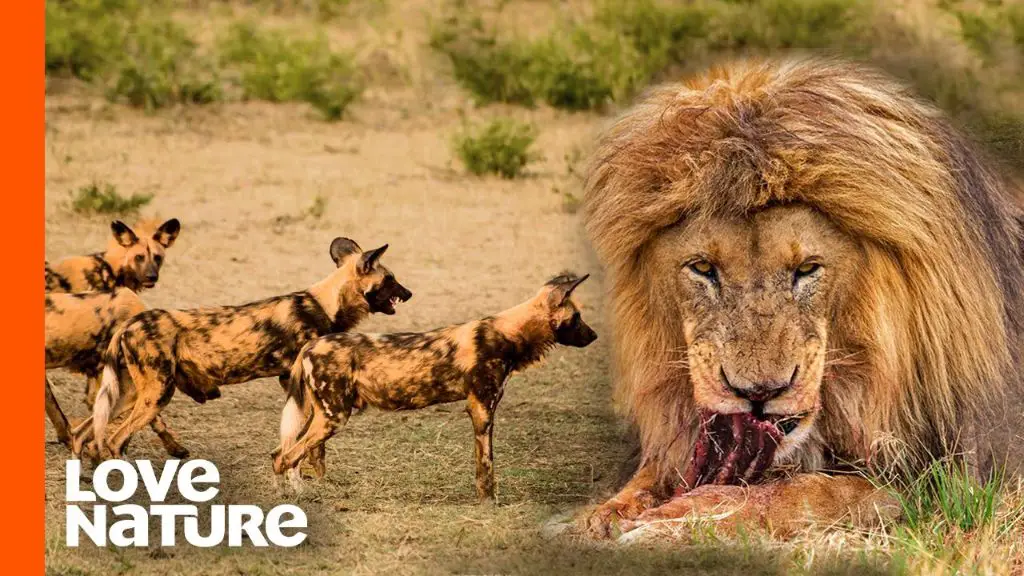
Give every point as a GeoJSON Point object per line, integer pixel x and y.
{"type": "Point", "coordinates": [930, 325]}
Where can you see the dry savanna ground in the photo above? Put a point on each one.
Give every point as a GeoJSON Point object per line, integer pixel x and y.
{"type": "Point", "coordinates": [261, 189]}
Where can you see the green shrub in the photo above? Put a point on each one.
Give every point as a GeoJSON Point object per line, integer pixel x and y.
{"type": "Point", "coordinates": [584, 71]}
{"type": "Point", "coordinates": [161, 67]}
{"type": "Point", "coordinates": [500, 147]}
{"type": "Point", "coordinates": [580, 70]}
{"type": "Point", "coordinates": [587, 64]}
{"type": "Point", "coordinates": [660, 33]}
{"type": "Point", "coordinates": [277, 68]}
{"type": "Point", "coordinates": [790, 24]}
{"type": "Point", "coordinates": [93, 199]}
{"type": "Point", "coordinates": [489, 70]}
{"type": "Point", "coordinates": [136, 50]}
{"type": "Point", "coordinates": [85, 37]}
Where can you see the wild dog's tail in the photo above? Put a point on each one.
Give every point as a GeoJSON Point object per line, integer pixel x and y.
{"type": "Point", "coordinates": [109, 395]}
{"type": "Point", "coordinates": [296, 378]}
{"type": "Point", "coordinates": [296, 415]}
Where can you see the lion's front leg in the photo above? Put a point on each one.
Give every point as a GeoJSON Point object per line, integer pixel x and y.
{"type": "Point", "coordinates": [642, 492]}
{"type": "Point", "coordinates": [784, 506]}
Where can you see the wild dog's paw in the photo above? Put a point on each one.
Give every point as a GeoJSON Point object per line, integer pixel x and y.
{"type": "Point", "coordinates": [604, 520]}
{"type": "Point", "coordinates": [314, 465]}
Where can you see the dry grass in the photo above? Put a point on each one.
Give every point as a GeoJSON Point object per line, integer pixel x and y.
{"type": "Point", "coordinates": [262, 188]}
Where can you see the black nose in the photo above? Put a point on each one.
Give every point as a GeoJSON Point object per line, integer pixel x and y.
{"type": "Point", "coordinates": [762, 390]}
{"type": "Point", "coordinates": [151, 277]}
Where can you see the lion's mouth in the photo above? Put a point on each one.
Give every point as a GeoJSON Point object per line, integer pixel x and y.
{"type": "Point", "coordinates": [735, 448]}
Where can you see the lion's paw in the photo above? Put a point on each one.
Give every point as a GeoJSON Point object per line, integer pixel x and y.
{"type": "Point", "coordinates": [602, 521]}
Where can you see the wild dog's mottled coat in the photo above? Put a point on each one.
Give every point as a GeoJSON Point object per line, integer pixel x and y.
{"type": "Point", "coordinates": [407, 371]}
{"type": "Point", "coordinates": [199, 350]}
{"type": "Point", "coordinates": [133, 259]}
{"type": "Point", "coordinates": [78, 329]}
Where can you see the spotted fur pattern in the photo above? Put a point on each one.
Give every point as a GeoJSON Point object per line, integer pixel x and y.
{"type": "Point", "coordinates": [196, 351]}
{"type": "Point", "coordinates": [335, 374]}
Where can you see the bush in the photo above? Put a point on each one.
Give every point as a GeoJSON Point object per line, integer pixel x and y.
{"type": "Point", "coordinates": [161, 67]}
{"type": "Point", "coordinates": [489, 70]}
{"type": "Point", "coordinates": [626, 45]}
{"type": "Point", "coordinates": [93, 199]}
{"type": "Point", "coordinates": [500, 147]}
{"type": "Point", "coordinates": [276, 68]}
{"type": "Point", "coordinates": [582, 70]}
{"type": "Point", "coordinates": [136, 50]}
{"type": "Point", "coordinates": [84, 37]}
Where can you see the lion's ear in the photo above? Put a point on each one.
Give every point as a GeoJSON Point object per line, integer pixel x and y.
{"type": "Point", "coordinates": [563, 290]}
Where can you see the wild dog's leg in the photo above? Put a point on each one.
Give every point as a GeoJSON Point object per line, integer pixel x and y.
{"type": "Point", "coordinates": [168, 438]}
{"type": "Point", "coordinates": [92, 387]}
{"type": "Point", "coordinates": [316, 458]}
{"type": "Point", "coordinates": [154, 387]}
{"type": "Point", "coordinates": [56, 415]}
{"type": "Point", "coordinates": [784, 506]}
{"type": "Point", "coordinates": [642, 491]}
{"type": "Point", "coordinates": [82, 433]}
{"type": "Point", "coordinates": [318, 429]}
{"type": "Point", "coordinates": [483, 428]}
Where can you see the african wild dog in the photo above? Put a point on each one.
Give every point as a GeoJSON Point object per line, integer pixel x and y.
{"type": "Point", "coordinates": [199, 350]}
{"type": "Point", "coordinates": [340, 372]}
{"type": "Point", "coordinates": [131, 260]}
{"type": "Point", "coordinates": [78, 330]}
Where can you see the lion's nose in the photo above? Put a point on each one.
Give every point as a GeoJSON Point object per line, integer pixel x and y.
{"type": "Point", "coordinates": [759, 390]}
{"type": "Point", "coordinates": [762, 391]}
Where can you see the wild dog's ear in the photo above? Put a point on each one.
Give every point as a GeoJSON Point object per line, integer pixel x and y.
{"type": "Point", "coordinates": [342, 247]}
{"type": "Point", "coordinates": [123, 234]}
{"type": "Point", "coordinates": [369, 259]}
{"type": "Point", "coordinates": [563, 290]}
{"type": "Point", "coordinates": [167, 233]}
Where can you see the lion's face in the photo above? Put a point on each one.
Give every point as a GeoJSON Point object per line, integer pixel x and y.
{"type": "Point", "coordinates": [755, 298]}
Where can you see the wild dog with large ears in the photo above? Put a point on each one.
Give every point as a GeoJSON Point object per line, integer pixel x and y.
{"type": "Point", "coordinates": [340, 372]}
{"type": "Point", "coordinates": [199, 350]}
{"type": "Point", "coordinates": [132, 260]}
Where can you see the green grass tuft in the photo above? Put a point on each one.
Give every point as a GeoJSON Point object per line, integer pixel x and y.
{"type": "Point", "coordinates": [500, 147]}
{"type": "Point", "coordinates": [94, 199]}
{"type": "Point", "coordinates": [947, 495]}
{"type": "Point", "coordinates": [277, 68]}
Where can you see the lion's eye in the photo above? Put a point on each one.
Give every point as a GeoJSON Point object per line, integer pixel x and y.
{"type": "Point", "coordinates": [805, 271]}
{"type": "Point", "coordinates": [807, 268]}
{"type": "Point", "coordinates": [704, 268]}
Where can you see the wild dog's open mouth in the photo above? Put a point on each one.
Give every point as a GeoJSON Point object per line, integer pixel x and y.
{"type": "Point", "coordinates": [383, 303]}
{"type": "Point", "coordinates": [735, 448]}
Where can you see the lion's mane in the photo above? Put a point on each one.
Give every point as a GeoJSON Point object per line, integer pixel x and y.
{"type": "Point", "coordinates": [937, 314]}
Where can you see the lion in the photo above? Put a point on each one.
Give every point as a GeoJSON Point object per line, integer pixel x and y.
{"type": "Point", "coordinates": [816, 282]}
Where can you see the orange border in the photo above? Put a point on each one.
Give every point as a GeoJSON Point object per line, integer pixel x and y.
{"type": "Point", "coordinates": [22, 521]}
